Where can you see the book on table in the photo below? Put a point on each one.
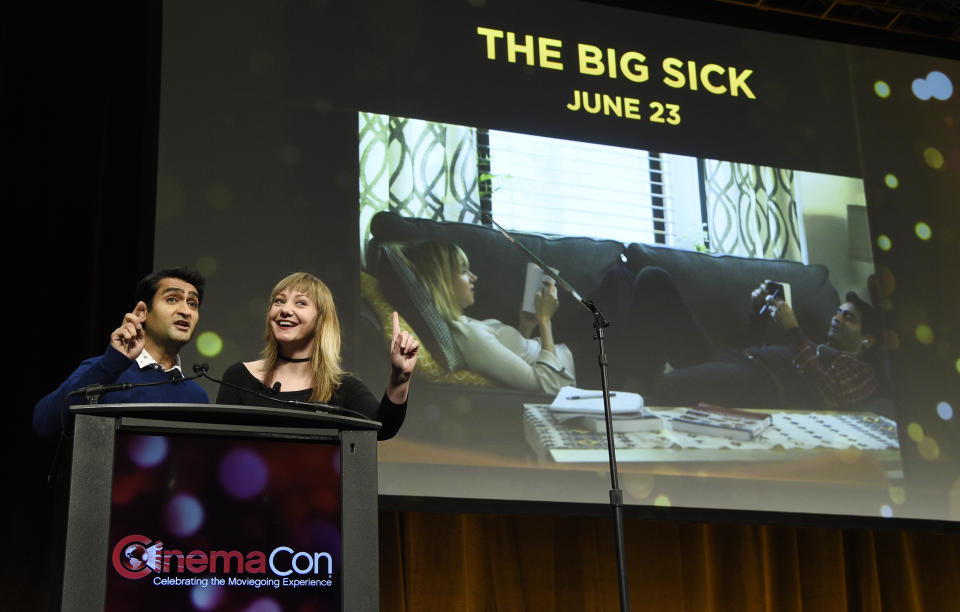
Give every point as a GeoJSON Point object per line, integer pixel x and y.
{"type": "Point", "coordinates": [582, 409]}
{"type": "Point", "coordinates": [710, 420]}
{"type": "Point", "coordinates": [589, 402]}
{"type": "Point", "coordinates": [621, 423]}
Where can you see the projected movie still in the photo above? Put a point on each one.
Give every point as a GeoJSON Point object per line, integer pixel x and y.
{"type": "Point", "coordinates": [688, 259]}
{"type": "Point", "coordinates": [211, 523]}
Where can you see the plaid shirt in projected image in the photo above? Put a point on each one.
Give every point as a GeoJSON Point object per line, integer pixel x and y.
{"type": "Point", "coordinates": [841, 380]}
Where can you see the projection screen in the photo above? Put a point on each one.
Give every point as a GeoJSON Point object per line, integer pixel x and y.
{"type": "Point", "coordinates": [616, 145]}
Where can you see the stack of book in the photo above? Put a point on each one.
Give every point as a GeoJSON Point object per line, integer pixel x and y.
{"type": "Point", "coordinates": [582, 409]}
{"type": "Point", "coordinates": [709, 420]}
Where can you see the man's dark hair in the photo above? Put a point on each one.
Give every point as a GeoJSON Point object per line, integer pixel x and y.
{"type": "Point", "coordinates": [148, 285]}
{"type": "Point", "coordinates": [869, 318]}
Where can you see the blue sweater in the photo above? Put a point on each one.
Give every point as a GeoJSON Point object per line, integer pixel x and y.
{"type": "Point", "coordinates": [50, 414]}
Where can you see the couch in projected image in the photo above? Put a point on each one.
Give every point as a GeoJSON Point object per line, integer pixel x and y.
{"type": "Point", "coordinates": [456, 406]}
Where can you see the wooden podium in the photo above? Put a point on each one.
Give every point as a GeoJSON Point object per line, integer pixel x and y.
{"type": "Point", "coordinates": [188, 506]}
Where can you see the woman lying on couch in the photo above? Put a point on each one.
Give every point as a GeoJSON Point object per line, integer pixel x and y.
{"type": "Point", "coordinates": [489, 347]}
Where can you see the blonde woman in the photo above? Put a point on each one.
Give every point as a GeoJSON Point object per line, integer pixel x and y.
{"type": "Point", "coordinates": [492, 348]}
{"type": "Point", "coordinates": [302, 356]}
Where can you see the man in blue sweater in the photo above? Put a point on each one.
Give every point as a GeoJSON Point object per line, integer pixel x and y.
{"type": "Point", "coordinates": [143, 349]}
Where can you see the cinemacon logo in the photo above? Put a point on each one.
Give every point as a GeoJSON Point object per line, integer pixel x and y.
{"type": "Point", "coordinates": [137, 556]}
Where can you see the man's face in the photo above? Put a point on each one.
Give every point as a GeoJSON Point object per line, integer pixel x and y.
{"type": "Point", "coordinates": [173, 316]}
{"type": "Point", "coordinates": [846, 331]}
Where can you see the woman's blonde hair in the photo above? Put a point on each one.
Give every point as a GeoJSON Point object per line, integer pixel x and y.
{"type": "Point", "coordinates": [436, 263]}
{"type": "Point", "coordinates": [325, 360]}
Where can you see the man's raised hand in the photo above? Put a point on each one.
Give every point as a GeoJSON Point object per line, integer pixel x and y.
{"type": "Point", "coordinates": [129, 337]}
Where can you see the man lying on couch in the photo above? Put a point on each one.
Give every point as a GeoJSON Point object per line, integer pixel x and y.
{"type": "Point", "coordinates": [835, 375]}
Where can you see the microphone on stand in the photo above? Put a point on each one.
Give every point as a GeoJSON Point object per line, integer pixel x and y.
{"type": "Point", "coordinates": [271, 400]}
{"type": "Point", "coordinates": [599, 323]}
{"type": "Point", "coordinates": [93, 392]}
{"type": "Point", "coordinates": [539, 262]}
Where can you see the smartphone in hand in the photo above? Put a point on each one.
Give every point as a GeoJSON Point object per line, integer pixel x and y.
{"type": "Point", "coordinates": [779, 290]}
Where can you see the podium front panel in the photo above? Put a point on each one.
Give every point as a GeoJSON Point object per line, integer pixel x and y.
{"type": "Point", "coordinates": [167, 515]}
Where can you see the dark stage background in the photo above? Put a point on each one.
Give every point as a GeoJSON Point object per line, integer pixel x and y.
{"type": "Point", "coordinates": [80, 96]}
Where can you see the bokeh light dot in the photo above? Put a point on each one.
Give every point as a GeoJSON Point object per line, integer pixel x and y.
{"type": "Point", "coordinates": [257, 306]}
{"type": "Point", "coordinates": [923, 231]}
{"type": "Point", "coordinates": [886, 511]}
{"type": "Point", "coordinates": [957, 365]}
{"type": "Point", "coordinates": [888, 282]}
{"type": "Point", "coordinates": [935, 85]}
{"type": "Point", "coordinates": [183, 515]}
{"type": "Point", "coordinates": [881, 89]}
{"type": "Point", "coordinates": [924, 334]}
{"type": "Point", "coordinates": [662, 500]}
{"type": "Point", "coordinates": [126, 487]}
{"type": "Point", "coordinates": [640, 486]}
{"type": "Point", "coordinates": [261, 61]}
{"type": "Point", "coordinates": [848, 455]}
{"type": "Point", "coordinates": [243, 473]}
{"type": "Point", "coordinates": [148, 451]}
{"type": "Point", "coordinates": [452, 432]}
{"type": "Point", "coordinates": [171, 198]}
{"type": "Point", "coordinates": [206, 598]}
{"type": "Point", "coordinates": [929, 449]}
{"type": "Point", "coordinates": [933, 158]}
{"type": "Point", "coordinates": [207, 265]}
{"type": "Point", "coordinates": [432, 413]}
{"type": "Point", "coordinates": [290, 154]}
{"type": "Point", "coordinates": [884, 242]}
{"type": "Point", "coordinates": [891, 341]}
{"type": "Point", "coordinates": [218, 196]}
{"type": "Point", "coordinates": [891, 181]}
{"type": "Point", "coordinates": [954, 501]}
{"type": "Point", "coordinates": [945, 411]}
{"type": "Point", "coordinates": [898, 495]}
{"type": "Point", "coordinates": [462, 405]}
{"type": "Point", "coordinates": [915, 431]}
{"type": "Point", "coordinates": [209, 344]}
{"type": "Point", "coordinates": [264, 604]}
{"type": "Point", "coordinates": [323, 534]}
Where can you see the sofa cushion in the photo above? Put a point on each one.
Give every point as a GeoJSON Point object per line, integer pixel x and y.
{"type": "Point", "coordinates": [717, 290]}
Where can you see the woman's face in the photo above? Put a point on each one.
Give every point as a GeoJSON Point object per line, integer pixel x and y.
{"type": "Point", "coordinates": [293, 318]}
{"type": "Point", "coordinates": [463, 286]}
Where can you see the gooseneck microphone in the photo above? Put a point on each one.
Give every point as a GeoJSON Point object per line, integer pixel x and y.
{"type": "Point", "coordinates": [272, 400]}
{"type": "Point", "coordinates": [93, 392]}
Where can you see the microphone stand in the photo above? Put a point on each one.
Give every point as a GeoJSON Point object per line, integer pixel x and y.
{"type": "Point", "coordinates": [616, 495]}
{"type": "Point", "coordinates": [92, 393]}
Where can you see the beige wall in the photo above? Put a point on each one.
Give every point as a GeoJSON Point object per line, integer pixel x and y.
{"type": "Point", "coordinates": [822, 201]}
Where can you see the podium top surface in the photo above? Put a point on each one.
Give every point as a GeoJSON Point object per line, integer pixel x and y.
{"type": "Point", "coordinates": [228, 414]}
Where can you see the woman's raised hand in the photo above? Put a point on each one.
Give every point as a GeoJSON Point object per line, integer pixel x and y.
{"type": "Point", "coordinates": [403, 350]}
